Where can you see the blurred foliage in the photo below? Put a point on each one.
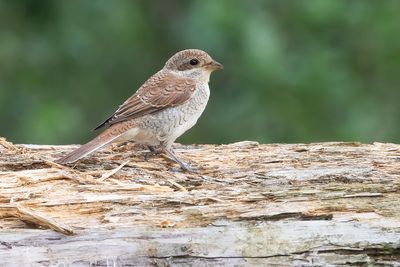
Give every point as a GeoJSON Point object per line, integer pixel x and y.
{"type": "Point", "coordinates": [295, 71]}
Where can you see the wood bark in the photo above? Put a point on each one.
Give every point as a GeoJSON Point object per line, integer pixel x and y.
{"type": "Point", "coordinates": [320, 204]}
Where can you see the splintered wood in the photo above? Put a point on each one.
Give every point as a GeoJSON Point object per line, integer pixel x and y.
{"type": "Point", "coordinates": [249, 204]}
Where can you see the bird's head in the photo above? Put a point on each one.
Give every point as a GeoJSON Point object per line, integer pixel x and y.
{"type": "Point", "coordinates": [193, 63]}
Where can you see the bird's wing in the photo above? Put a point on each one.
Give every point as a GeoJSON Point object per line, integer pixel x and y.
{"type": "Point", "coordinates": [161, 91]}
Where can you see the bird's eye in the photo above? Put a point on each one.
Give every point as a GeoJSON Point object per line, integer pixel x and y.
{"type": "Point", "coordinates": [193, 62]}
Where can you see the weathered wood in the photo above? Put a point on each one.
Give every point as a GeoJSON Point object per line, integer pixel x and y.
{"type": "Point", "coordinates": [268, 205]}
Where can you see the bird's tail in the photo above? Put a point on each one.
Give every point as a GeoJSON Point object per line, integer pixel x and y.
{"type": "Point", "coordinates": [103, 139]}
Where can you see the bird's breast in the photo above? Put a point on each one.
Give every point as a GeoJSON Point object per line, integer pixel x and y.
{"type": "Point", "coordinates": [185, 116]}
{"type": "Point", "coordinates": [170, 123]}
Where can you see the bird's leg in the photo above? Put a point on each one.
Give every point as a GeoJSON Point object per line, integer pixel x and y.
{"type": "Point", "coordinates": [153, 151]}
{"type": "Point", "coordinates": [170, 152]}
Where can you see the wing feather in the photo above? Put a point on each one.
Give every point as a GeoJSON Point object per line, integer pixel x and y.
{"type": "Point", "coordinates": [161, 91]}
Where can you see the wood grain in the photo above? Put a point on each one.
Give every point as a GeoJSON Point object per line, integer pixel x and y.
{"type": "Point", "coordinates": [250, 205]}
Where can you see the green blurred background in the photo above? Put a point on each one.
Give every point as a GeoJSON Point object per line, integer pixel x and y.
{"type": "Point", "coordinates": [295, 71]}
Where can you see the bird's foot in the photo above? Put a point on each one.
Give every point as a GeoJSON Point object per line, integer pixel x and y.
{"type": "Point", "coordinates": [184, 165]}
{"type": "Point", "coordinates": [152, 152]}
{"type": "Point", "coordinates": [187, 167]}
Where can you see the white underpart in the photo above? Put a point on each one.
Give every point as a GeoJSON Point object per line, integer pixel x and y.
{"type": "Point", "coordinates": [128, 135]}
{"type": "Point", "coordinates": [192, 119]}
{"type": "Point", "coordinates": [200, 75]}
{"type": "Point", "coordinates": [166, 126]}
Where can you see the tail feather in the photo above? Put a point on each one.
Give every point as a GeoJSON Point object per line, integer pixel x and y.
{"type": "Point", "coordinates": [97, 143]}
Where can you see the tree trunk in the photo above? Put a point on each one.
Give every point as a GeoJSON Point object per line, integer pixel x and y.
{"type": "Point", "coordinates": [248, 205]}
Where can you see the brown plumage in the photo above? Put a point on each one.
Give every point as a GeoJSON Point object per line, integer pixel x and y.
{"type": "Point", "coordinates": [163, 108]}
{"type": "Point", "coordinates": [160, 91]}
{"type": "Point", "coordinates": [109, 135]}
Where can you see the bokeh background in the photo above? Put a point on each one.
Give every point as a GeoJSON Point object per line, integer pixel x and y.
{"type": "Point", "coordinates": [295, 71]}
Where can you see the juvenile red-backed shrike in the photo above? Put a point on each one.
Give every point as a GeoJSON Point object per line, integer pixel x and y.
{"type": "Point", "coordinates": [168, 104]}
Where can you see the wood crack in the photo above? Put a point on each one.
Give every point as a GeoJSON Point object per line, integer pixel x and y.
{"type": "Point", "coordinates": [330, 203]}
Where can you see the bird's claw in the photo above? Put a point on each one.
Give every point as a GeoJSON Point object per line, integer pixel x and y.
{"type": "Point", "coordinates": [187, 167]}
{"type": "Point", "coordinates": [152, 152]}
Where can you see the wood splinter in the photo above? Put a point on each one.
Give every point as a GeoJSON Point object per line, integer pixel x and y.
{"type": "Point", "coordinates": [41, 220]}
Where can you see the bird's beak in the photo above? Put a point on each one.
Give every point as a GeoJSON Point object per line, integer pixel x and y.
{"type": "Point", "coordinates": [214, 65]}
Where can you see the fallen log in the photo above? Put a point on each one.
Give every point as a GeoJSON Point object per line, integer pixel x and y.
{"type": "Point", "coordinates": [249, 205]}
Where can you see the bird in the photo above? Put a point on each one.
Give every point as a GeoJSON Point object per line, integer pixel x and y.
{"type": "Point", "coordinates": [167, 105]}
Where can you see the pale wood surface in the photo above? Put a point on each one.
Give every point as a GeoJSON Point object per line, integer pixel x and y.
{"type": "Point", "coordinates": [322, 204]}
